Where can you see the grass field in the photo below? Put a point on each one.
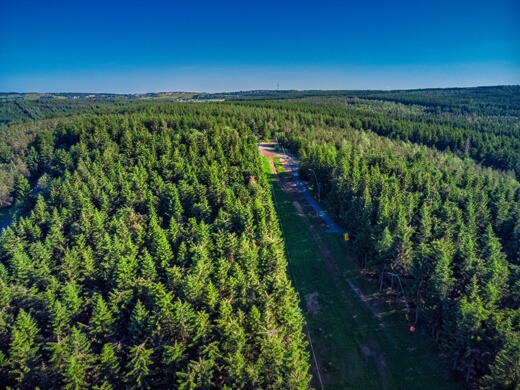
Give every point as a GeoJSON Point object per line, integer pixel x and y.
{"type": "Point", "coordinates": [354, 349]}
{"type": "Point", "coordinates": [278, 165]}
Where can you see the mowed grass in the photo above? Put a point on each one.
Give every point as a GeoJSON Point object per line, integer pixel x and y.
{"type": "Point", "coordinates": [413, 359]}
{"type": "Point", "coordinates": [352, 349]}
{"type": "Point", "coordinates": [278, 164]}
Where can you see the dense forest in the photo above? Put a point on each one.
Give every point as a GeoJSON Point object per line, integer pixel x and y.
{"type": "Point", "coordinates": [147, 249]}
{"type": "Point", "coordinates": [448, 227]}
{"type": "Point", "coordinates": [500, 100]}
{"type": "Point", "coordinates": [149, 255]}
{"type": "Point", "coordinates": [21, 110]}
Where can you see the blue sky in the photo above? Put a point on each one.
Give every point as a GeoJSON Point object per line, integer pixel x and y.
{"type": "Point", "coordinates": [146, 46]}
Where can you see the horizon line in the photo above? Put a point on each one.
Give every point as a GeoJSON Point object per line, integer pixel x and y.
{"type": "Point", "coordinates": [264, 90]}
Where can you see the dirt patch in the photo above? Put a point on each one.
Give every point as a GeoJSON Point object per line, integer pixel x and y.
{"type": "Point", "coordinates": [298, 208]}
{"type": "Point", "coordinates": [313, 306]}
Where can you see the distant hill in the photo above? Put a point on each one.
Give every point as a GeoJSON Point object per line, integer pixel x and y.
{"type": "Point", "coordinates": [20, 107]}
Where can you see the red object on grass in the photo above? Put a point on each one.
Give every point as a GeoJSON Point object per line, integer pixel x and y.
{"type": "Point", "coordinates": [412, 328]}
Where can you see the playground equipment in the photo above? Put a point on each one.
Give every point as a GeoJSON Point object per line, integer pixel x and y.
{"type": "Point", "coordinates": [396, 287]}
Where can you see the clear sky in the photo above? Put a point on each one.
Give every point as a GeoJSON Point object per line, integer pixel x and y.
{"type": "Point", "coordinates": [219, 45]}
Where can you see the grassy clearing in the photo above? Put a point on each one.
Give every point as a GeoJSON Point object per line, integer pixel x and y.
{"type": "Point", "coordinates": [412, 357]}
{"type": "Point", "coordinates": [278, 165]}
{"type": "Point", "coordinates": [352, 349]}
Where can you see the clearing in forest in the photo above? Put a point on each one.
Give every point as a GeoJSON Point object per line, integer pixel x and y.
{"type": "Point", "coordinates": [357, 342]}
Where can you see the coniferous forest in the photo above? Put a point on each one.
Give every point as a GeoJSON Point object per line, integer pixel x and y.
{"type": "Point", "coordinates": [145, 249]}
{"type": "Point", "coordinates": [150, 256]}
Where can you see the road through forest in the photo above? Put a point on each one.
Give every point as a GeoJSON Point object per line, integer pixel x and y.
{"type": "Point", "coordinates": [291, 165]}
{"type": "Point", "coordinates": [357, 342]}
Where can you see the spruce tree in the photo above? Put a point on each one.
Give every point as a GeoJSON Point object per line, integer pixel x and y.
{"type": "Point", "coordinates": [138, 367]}
{"type": "Point", "coordinates": [139, 325]}
{"type": "Point", "coordinates": [24, 351]}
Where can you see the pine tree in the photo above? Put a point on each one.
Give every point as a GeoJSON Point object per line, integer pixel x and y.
{"type": "Point", "coordinates": [425, 224]}
{"type": "Point", "coordinates": [139, 367]}
{"type": "Point", "coordinates": [147, 269]}
{"type": "Point", "coordinates": [402, 243]}
{"type": "Point", "coordinates": [505, 370]}
{"type": "Point", "coordinates": [383, 246]}
{"type": "Point", "coordinates": [470, 329]}
{"type": "Point", "coordinates": [101, 321]}
{"type": "Point", "coordinates": [60, 320]}
{"type": "Point", "coordinates": [364, 238]}
{"type": "Point", "coordinates": [495, 267]}
{"type": "Point", "coordinates": [39, 212]}
{"type": "Point", "coordinates": [174, 231]}
{"type": "Point", "coordinates": [442, 277]}
{"type": "Point", "coordinates": [20, 266]}
{"type": "Point", "coordinates": [24, 350]}
{"type": "Point", "coordinates": [174, 357]}
{"type": "Point", "coordinates": [139, 325]}
{"type": "Point", "coordinates": [22, 190]}
{"type": "Point", "coordinates": [158, 244]}
{"type": "Point", "coordinates": [108, 370]}
{"type": "Point", "coordinates": [75, 375]}
{"type": "Point", "coordinates": [33, 160]}
{"type": "Point", "coordinates": [469, 262]}
{"type": "Point", "coordinates": [199, 374]}
{"type": "Point", "coordinates": [55, 239]}
{"type": "Point", "coordinates": [73, 360]}
{"type": "Point", "coordinates": [71, 299]}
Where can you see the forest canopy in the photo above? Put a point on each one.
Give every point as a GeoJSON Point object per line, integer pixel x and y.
{"type": "Point", "coordinates": [146, 249]}
{"type": "Point", "coordinates": [150, 256]}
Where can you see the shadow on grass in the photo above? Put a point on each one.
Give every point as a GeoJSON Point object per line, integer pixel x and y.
{"type": "Point", "coordinates": [353, 349]}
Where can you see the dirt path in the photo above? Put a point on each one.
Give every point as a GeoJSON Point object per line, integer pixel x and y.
{"type": "Point", "coordinates": [289, 183]}
{"type": "Point", "coordinates": [295, 185]}
{"type": "Point", "coordinates": [289, 164]}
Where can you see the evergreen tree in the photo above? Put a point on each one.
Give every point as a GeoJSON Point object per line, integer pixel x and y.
{"type": "Point", "coordinates": [76, 360]}
{"type": "Point", "coordinates": [159, 246]}
{"type": "Point", "coordinates": [403, 244]}
{"type": "Point", "coordinates": [442, 277]}
{"type": "Point", "coordinates": [495, 271]}
{"type": "Point", "coordinates": [101, 321]}
{"type": "Point", "coordinates": [22, 190]}
{"type": "Point", "coordinates": [425, 226]}
{"type": "Point", "coordinates": [383, 247]}
{"type": "Point", "coordinates": [505, 371]}
{"type": "Point", "coordinates": [108, 370]}
{"type": "Point", "coordinates": [139, 367]}
{"type": "Point", "coordinates": [139, 325]}
{"type": "Point", "coordinates": [24, 351]}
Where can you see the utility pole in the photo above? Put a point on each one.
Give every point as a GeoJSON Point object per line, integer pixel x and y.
{"type": "Point", "coordinates": [317, 184]}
